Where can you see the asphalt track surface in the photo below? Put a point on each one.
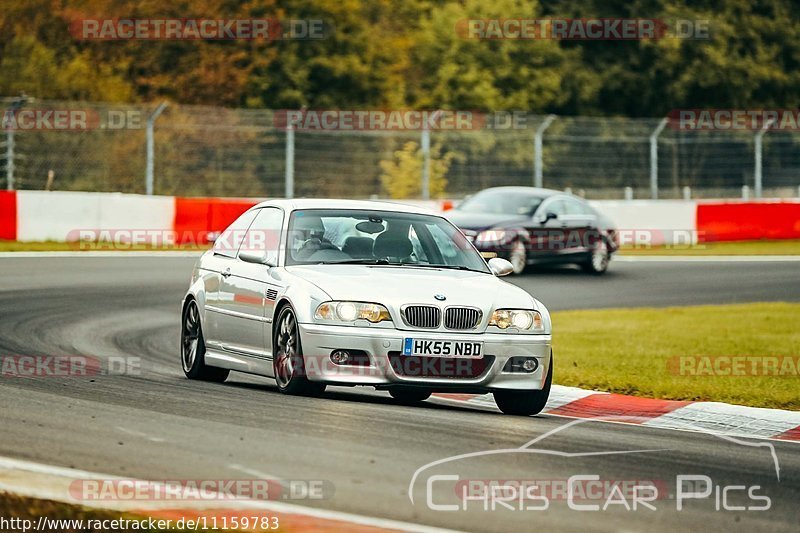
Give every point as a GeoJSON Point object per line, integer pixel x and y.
{"type": "Point", "coordinates": [155, 424]}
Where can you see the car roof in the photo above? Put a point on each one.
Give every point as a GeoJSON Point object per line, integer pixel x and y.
{"type": "Point", "coordinates": [332, 203]}
{"type": "Point", "coordinates": [536, 191]}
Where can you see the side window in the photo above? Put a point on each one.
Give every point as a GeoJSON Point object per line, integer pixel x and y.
{"type": "Point", "coordinates": [574, 207]}
{"type": "Point", "coordinates": [228, 242]}
{"type": "Point", "coordinates": [556, 206]}
{"type": "Point", "coordinates": [264, 234]}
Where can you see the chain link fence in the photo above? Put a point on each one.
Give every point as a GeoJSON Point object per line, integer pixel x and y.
{"type": "Point", "coordinates": [202, 151]}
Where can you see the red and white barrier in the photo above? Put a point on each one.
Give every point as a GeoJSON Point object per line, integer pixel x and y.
{"type": "Point", "coordinates": [31, 216]}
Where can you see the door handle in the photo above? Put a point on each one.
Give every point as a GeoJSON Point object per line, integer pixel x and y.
{"type": "Point", "coordinates": [226, 272]}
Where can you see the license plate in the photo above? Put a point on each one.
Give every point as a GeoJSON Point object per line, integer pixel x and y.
{"type": "Point", "coordinates": [439, 348]}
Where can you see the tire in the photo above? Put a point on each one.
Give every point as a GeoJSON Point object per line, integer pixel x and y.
{"type": "Point", "coordinates": [598, 261]}
{"type": "Point", "coordinates": [288, 363]}
{"type": "Point", "coordinates": [518, 257]}
{"type": "Point", "coordinates": [525, 403]}
{"type": "Point", "coordinates": [193, 348]}
{"type": "Point", "coordinates": [409, 395]}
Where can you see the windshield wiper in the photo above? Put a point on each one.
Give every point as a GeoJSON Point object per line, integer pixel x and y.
{"type": "Point", "coordinates": [450, 267]}
{"type": "Point", "coordinates": [360, 262]}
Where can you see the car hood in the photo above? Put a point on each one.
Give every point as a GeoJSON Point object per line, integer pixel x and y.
{"type": "Point", "coordinates": [395, 286]}
{"type": "Point", "coordinates": [481, 221]}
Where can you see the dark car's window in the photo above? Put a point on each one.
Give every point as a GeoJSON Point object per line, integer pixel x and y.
{"type": "Point", "coordinates": [228, 242]}
{"type": "Point", "coordinates": [557, 207]}
{"type": "Point", "coordinates": [264, 234]}
{"type": "Point", "coordinates": [501, 202]}
{"type": "Point", "coordinates": [576, 207]}
{"type": "Point", "coordinates": [317, 236]}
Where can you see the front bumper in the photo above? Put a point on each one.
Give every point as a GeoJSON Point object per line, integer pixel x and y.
{"type": "Point", "coordinates": [381, 344]}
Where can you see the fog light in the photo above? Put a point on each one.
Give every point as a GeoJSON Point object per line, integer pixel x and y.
{"type": "Point", "coordinates": [340, 357]}
{"type": "Point", "coordinates": [525, 365]}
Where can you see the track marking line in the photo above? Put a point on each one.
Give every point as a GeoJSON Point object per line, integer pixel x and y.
{"type": "Point", "coordinates": [49, 482]}
{"type": "Point", "coordinates": [707, 417]}
{"type": "Point", "coordinates": [140, 434]}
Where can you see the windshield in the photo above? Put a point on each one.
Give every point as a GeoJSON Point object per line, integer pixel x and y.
{"type": "Point", "coordinates": [317, 236]}
{"type": "Point", "coordinates": [501, 202]}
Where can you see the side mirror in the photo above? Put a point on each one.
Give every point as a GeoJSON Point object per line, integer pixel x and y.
{"type": "Point", "coordinates": [548, 217]}
{"type": "Point", "coordinates": [257, 258]}
{"type": "Point", "coordinates": [500, 267]}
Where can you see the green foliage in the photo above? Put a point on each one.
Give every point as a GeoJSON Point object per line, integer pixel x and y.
{"type": "Point", "coordinates": [401, 174]}
{"type": "Point", "coordinates": [382, 53]}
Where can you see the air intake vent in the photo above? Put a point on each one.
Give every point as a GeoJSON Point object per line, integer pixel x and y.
{"type": "Point", "coordinates": [423, 316]}
{"type": "Point", "coordinates": [461, 317]}
{"type": "Point", "coordinates": [272, 294]}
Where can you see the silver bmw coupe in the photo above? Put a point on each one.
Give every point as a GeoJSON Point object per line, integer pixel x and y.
{"type": "Point", "coordinates": [341, 292]}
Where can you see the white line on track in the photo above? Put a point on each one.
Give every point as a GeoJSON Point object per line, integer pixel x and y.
{"type": "Point", "coordinates": [140, 434]}
{"type": "Point", "coordinates": [256, 473]}
{"type": "Point", "coordinates": [27, 488]}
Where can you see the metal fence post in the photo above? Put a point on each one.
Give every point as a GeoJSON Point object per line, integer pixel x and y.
{"type": "Point", "coordinates": [758, 148]}
{"type": "Point", "coordinates": [426, 162]}
{"type": "Point", "coordinates": [289, 175]}
{"type": "Point", "coordinates": [10, 159]}
{"type": "Point", "coordinates": [654, 158]}
{"type": "Point", "coordinates": [151, 121]}
{"type": "Point", "coordinates": [538, 180]}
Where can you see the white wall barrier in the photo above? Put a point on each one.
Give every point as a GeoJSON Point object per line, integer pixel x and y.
{"type": "Point", "coordinates": [60, 215]}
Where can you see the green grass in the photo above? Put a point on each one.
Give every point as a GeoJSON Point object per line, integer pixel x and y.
{"type": "Point", "coordinates": [783, 247]}
{"type": "Point", "coordinates": [628, 351]}
{"type": "Point", "coordinates": [50, 246]}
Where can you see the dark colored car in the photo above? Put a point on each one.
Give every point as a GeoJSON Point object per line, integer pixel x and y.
{"type": "Point", "coordinates": [528, 225]}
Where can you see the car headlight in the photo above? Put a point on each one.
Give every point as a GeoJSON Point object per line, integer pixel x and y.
{"type": "Point", "coordinates": [351, 311]}
{"type": "Point", "coordinates": [491, 235]}
{"type": "Point", "coordinates": [517, 318]}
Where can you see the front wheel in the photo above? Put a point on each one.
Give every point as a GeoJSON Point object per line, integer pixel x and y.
{"type": "Point", "coordinates": [598, 261]}
{"type": "Point", "coordinates": [193, 348]}
{"type": "Point", "coordinates": [288, 363]}
{"type": "Point", "coordinates": [525, 403]}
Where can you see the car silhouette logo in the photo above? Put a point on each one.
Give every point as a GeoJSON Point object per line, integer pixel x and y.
{"type": "Point", "coordinates": [440, 297]}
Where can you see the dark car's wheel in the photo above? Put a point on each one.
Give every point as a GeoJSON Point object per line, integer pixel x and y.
{"type": "Point", "coordinates": [287, 361]}
{"type": "Point", "coordinates": [525, 403]}
{"type": "Point", "coordinates": [598, 261]}
{"type": "Point", "coordinates": [518, 257]}
{"type": "Point", "coordinates": [409, 395]}
{"type": "Point", "coordinates": [193, 348]}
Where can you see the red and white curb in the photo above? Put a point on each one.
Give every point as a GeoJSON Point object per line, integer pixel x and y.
{"type": "Point", "coordinates": [53, 483]}
{"type": "Point", "coordinates": [709, 417]}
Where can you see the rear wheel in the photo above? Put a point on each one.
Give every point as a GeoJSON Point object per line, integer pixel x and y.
{"type": "Point", "coordinates": [525, 403]}
{"type": "Point", "coordinates": [288, 363]}
{"type": "Point", "coordinates": [409, 395]}
{"type": "Point", "coordinates": [193, 348]}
